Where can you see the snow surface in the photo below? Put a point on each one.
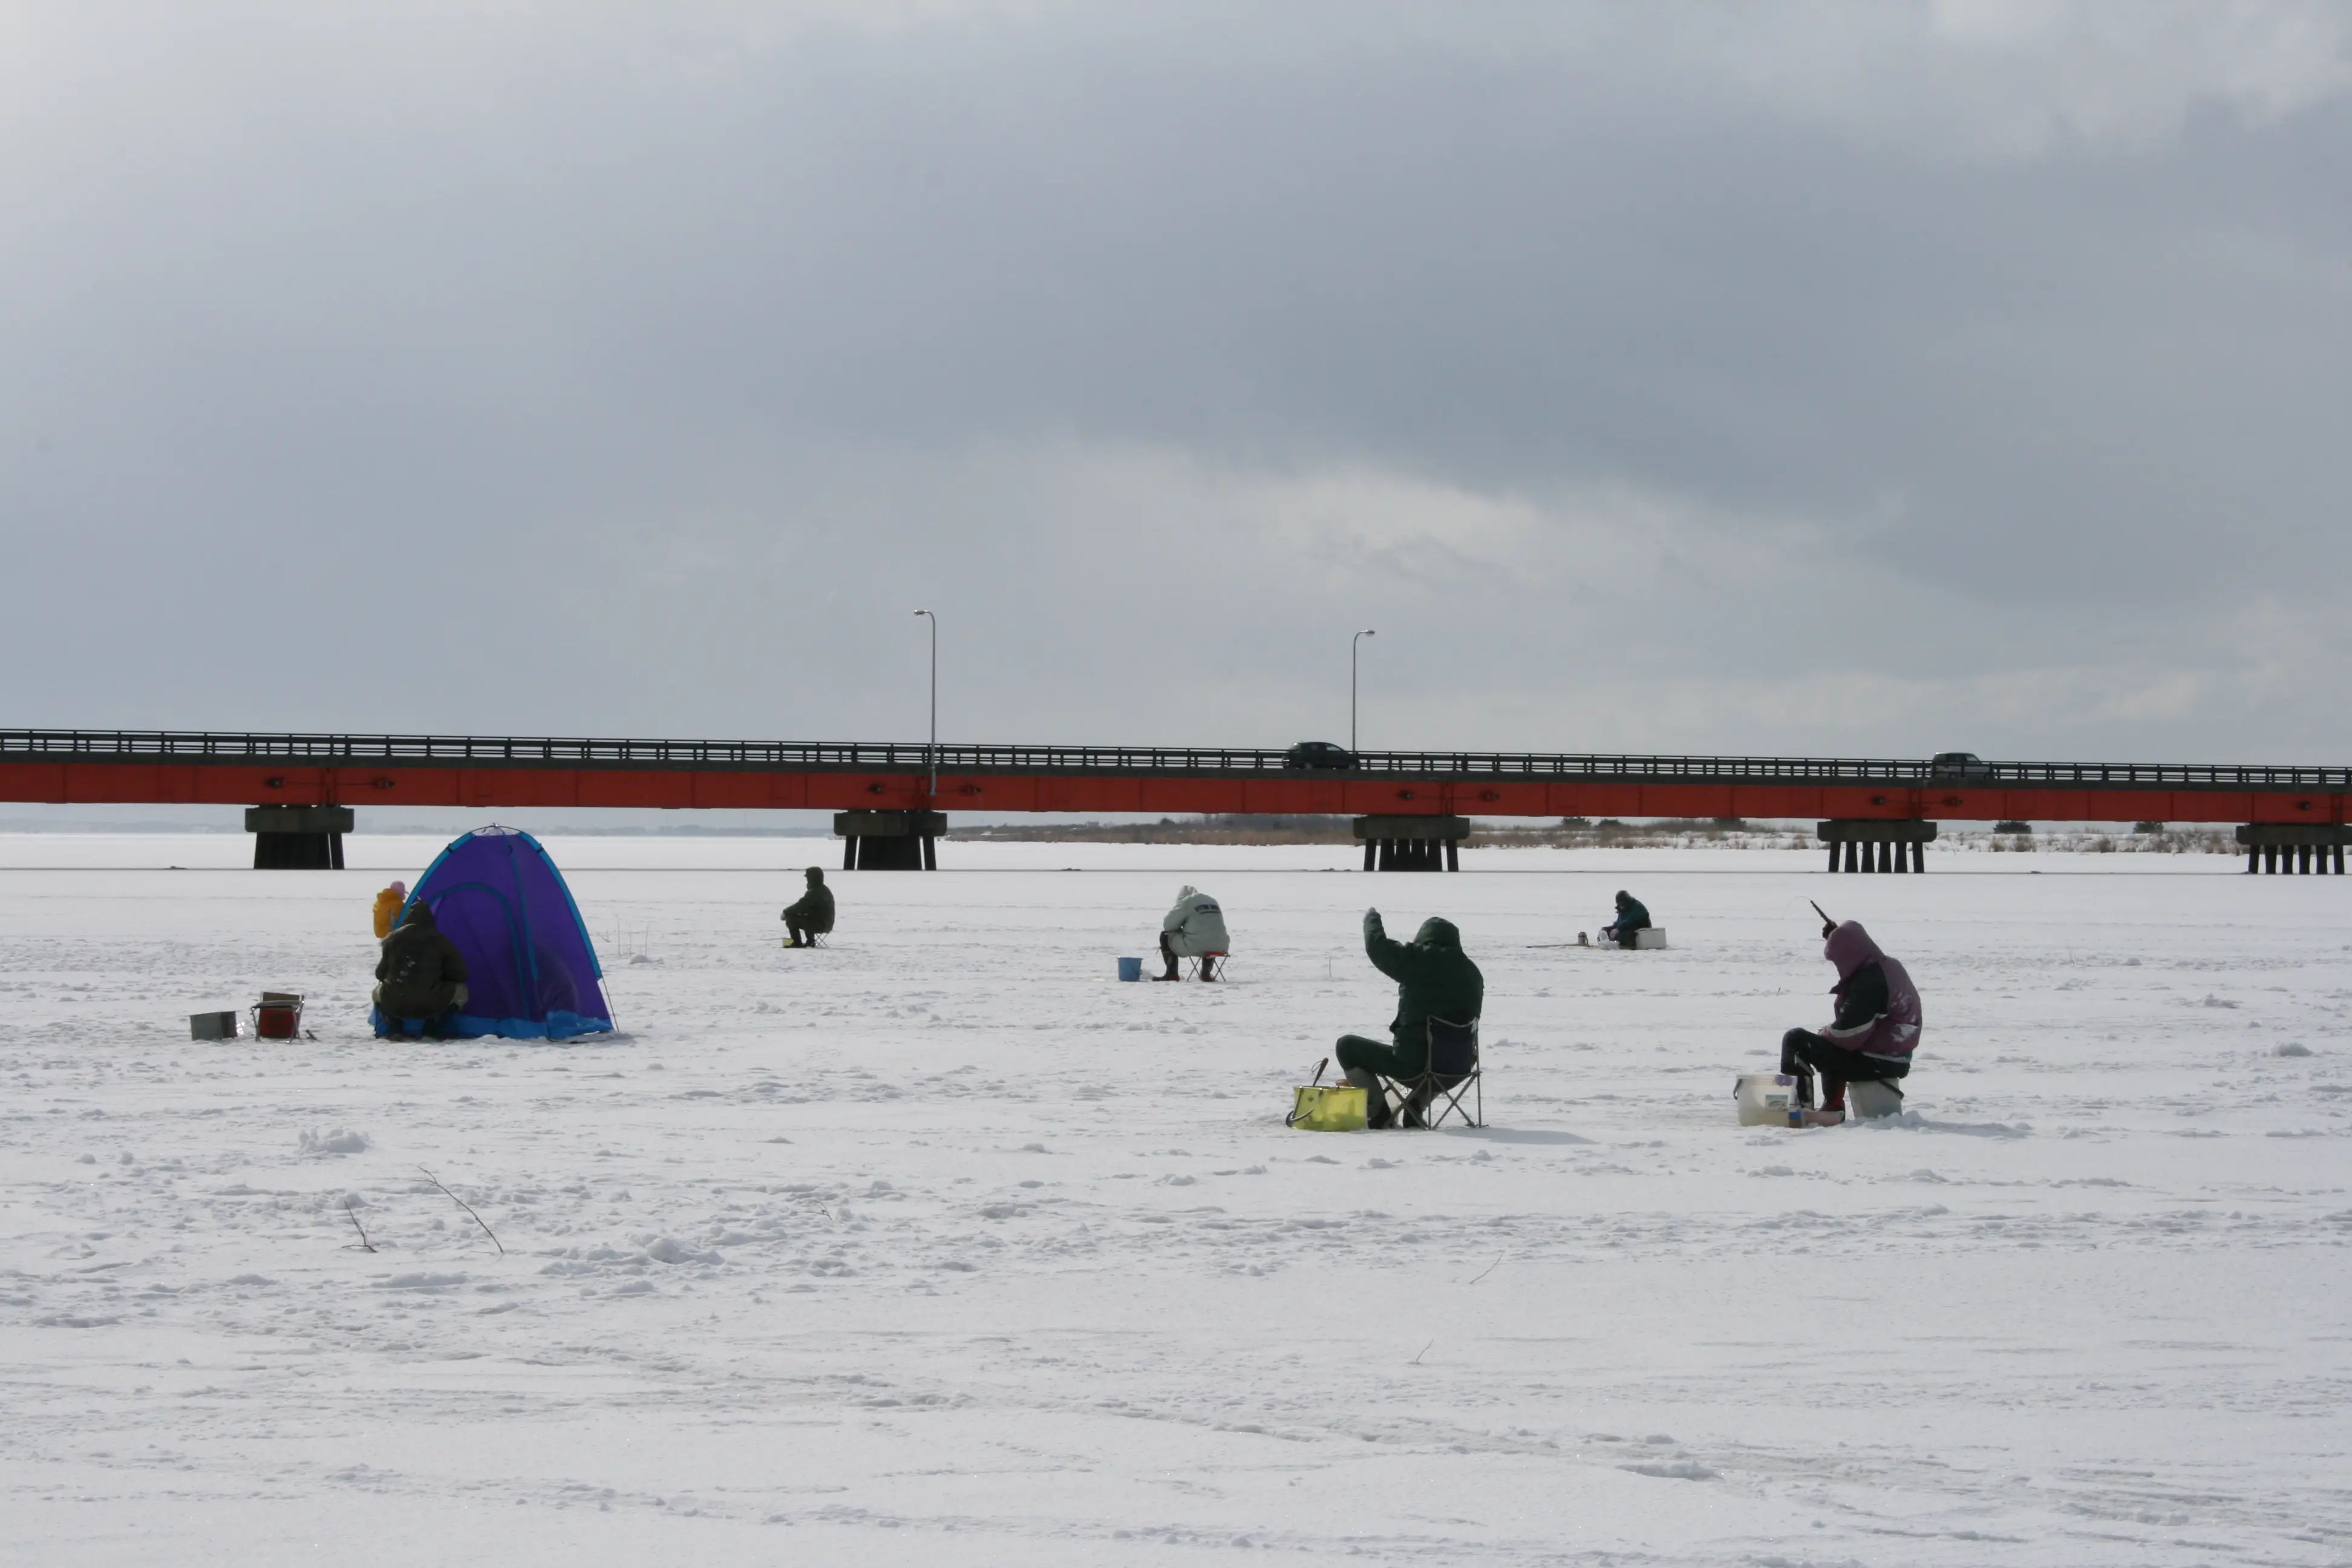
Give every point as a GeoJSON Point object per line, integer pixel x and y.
{"type": "Point", "coordinates": [941, 1246]}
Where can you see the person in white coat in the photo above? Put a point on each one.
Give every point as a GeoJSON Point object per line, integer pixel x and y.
{"type": "Point", "coordinates": [1196, 928]}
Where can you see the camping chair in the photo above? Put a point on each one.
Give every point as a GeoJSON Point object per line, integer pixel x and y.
{"type": "Point", "coordinates": [1207, 966]}
{"type": "Point", "coordinates": [1453, 1070]}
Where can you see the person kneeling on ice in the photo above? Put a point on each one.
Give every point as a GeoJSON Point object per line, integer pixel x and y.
{"type": "Point", "coordinates": [1631, 916]}
{"type": "Point", "coordinates": [810, 916]}
{"type": "Point", "coordinates": [1436, 979]}
{"type": "Point", "coordinates": [420, 976]}
{"type": "Point", "coordinates": [1194, 927]}
{"type": "Point", "coordinates": [1870, 1042]}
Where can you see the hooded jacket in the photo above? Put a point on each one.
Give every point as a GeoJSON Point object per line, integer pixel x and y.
{"type": "Point", "coordinates": [1879, 1007]}
{"type": "Point", "coordinates": [1632, 914]}
{"type": "Point", "coordinates": [1434, 978]}
{"type": "Point", "coordinates": [1195, 926]}
{"type": "Point", "coordinates": [813, 910]}
{"type": "Point", "coordinates": [421, 969]}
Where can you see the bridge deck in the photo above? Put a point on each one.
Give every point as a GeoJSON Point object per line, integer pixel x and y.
{"type": "Point", "coordinates": [165, 767]}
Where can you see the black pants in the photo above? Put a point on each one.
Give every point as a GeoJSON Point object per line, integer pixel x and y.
{"type": "Point", "coordinates": [1803, 1051]}
{"type": "Point", "coordinates": [1366, 1061]}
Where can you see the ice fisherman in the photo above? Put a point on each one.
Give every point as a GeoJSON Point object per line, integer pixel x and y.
{"type": "Point", "coordinates": [1631, 916]}
{"type": "Point", "coordinates": [1194, 928]}
{"type": "Point", "coordinates": [810, 916]}
{"type": "Point", "coordinates": [1436, 979]}
{"type": "Point", "coordinates": [421, 978]}
{"type": "Point", "coordinates": [387, 908]}
{"type": "Point", "coordinates": [1870, 1042]}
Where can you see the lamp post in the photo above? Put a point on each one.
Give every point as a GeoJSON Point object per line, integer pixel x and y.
{"type": "Point", "coordinates": [1353, 644]}
{"type": "Point", "coordinates": [931, 751]}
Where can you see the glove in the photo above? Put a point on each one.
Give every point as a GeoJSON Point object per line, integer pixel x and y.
{"type": "Point", "coordinates": [1372, 921]}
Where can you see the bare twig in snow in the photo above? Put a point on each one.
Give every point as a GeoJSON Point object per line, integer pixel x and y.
{"type": "Point", "coordinates": [469, 1209]}
{"type": "Point", "coordinates": [353, 1215]}
{"type": "Point", "coordinates": [1489, 1269]}
{"type": "Point", "coordinates": [1424, 1351]}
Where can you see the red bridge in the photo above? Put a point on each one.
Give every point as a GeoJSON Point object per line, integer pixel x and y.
{"type": "Point", "coordinates": [1408, 801]}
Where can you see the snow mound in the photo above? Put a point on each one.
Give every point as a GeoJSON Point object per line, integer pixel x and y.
{"type": "Point", "coordinates": [1912, 1120]}
{"type": "Point", "coordinates": [669, 1250]}
{"type": "Point", "coordinates": [2289, 1051]}
{"type": "Point", "coordinates": [341, 1140]}
{"type": "Point", "coordinates": [1675, 1470]}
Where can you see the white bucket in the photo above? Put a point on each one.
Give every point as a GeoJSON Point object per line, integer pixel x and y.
{"type": "Point", "coordinates": [1872, 1099]}
{"type": "Point", "coordinates": [1765, 1099]}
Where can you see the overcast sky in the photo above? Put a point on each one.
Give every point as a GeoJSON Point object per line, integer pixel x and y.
{"type": "Point", "coordinates": [1871, 379]}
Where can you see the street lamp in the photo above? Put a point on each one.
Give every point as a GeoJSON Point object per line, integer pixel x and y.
{"type": "Point", "coordinates": [1354, 643]}
{"type": "Point", "coordinates": [931, 752]}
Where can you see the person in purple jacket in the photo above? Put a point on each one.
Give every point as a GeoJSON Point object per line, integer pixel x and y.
{"type": "Point", "coordinates": [1874, 1034]}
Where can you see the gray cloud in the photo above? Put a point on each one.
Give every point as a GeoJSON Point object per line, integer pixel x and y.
{"type": "Point", "coordinates": [1797, 377]}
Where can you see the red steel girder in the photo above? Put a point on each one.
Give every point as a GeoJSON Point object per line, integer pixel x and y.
{"type": "Point", "coordinates": [490, 787]}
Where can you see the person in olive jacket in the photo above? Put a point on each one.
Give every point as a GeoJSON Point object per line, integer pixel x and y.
{"type": "Point", "coordinates": [1434, 979]}
{"type": "Point", "coordinates": [422, 976]}
{"type": "Point", "coordinates": [810, 916]}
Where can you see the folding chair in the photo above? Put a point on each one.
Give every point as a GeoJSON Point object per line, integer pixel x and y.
{"type": "Point", "coordinates": [1207, 966]}
{"type": "Point", "coordinates": [1453, 1071]}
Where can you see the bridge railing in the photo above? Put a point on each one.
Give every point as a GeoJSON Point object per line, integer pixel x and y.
{"type": "Point", "coordinates": [322, 750]}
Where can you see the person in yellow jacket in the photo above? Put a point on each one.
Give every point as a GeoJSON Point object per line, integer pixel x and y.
{"type": "Point", "coordinates": [387, 908]}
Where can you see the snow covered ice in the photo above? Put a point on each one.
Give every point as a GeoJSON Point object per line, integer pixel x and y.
{"type": "Point", "coordinates": [941, 1246]}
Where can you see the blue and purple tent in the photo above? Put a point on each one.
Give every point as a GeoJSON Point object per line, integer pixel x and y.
{"type": "Point", "coordinates": [531, 973]}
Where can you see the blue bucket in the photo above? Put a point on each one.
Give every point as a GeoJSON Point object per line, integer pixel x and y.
{"type": "Point", "coordinates": [1131, 969]}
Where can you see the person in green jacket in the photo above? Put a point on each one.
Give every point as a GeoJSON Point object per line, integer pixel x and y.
{"type": "Point", "coordinates": [810, 915]}
{"type": "Point", "coordinates": [422, 976]}
{"type": "Point", "coordinates": [1434, 979]}
{"type": "Point", "coordinates": [1631, 916]}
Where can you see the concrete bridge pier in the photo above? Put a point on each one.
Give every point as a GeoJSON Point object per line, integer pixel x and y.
{"type": "Point", "coordinates": [298, 837]}
{"type": "Point", "coordinates": [889, 841]}
{"type": "Point", "coordinates": [2294, 848]}
{"type": "Point", "coordinates": [1877, 845]}
{"type": "Point", "coordinates": [1412, 843]}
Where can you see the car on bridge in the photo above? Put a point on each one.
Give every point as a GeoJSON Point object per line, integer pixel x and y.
{"type": "Point", "coordinates": [1319, 754]}
{"type": "Point", "coordinates": [1958, 765]}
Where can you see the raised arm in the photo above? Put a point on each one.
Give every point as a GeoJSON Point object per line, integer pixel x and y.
{"type": "Point", "coordinates": [1391, 958]}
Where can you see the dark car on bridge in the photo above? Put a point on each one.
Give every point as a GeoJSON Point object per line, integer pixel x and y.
{"type": "Point", "coordinates": [1319, 754]}
{"type": "Point", "coordinates": [1958, 765]}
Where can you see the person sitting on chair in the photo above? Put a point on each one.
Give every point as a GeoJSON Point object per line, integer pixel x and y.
{"type": "Point", "coordinates": [1631, 917]}
{"type": "Point", "coordinates": [422, 976]}
{"type": "Point", "coordinates": [1194, 927]}
{"type": "Point", "coordinates": [810, 916]}
{"type": "Point", "coordinates": [1873, 1036]}
{"type": "Point", "coordinates": [1434, 979]}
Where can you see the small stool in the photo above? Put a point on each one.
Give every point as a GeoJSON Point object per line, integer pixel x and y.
{"type": "Point", "coordinates": [278, 1016]}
